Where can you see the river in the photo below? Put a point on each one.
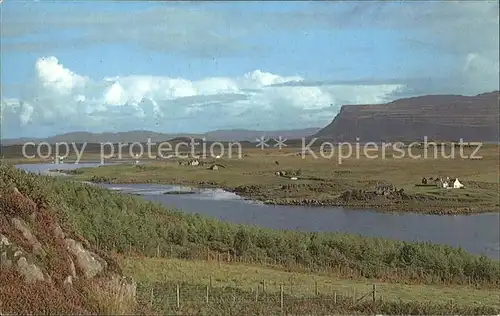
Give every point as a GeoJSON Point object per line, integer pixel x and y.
{"type": "Point", "coordinates": [479, 234]}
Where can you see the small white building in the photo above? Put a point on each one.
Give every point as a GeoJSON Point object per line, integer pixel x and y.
{"type": "Point", "coordinates": [457, 184]}
{"type": "Point", "coordinates": [195, 163]}
{"type": "Point", "coordinates": [57, 159]}
{"type": "Point", "coordinates": [444, 184]}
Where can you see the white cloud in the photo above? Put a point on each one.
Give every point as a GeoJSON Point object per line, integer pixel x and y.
{"type": "Point", "coordinates": [60, 100]}
{"type": "Point", "coordinates": [53, 75]}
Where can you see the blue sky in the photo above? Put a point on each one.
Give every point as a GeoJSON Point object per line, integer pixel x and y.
{"type": "Point", "coordinates": [200, 66]}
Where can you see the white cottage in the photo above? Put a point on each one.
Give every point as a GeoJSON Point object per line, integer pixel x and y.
{"type": "Point", "coordinates": [457, 184]}
{"type": "Point", "coordinates": [195, 163]}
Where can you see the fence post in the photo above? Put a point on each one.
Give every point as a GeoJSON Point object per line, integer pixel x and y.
{"type": "Point", "coordinates": [257, 293]}
{"type": "Point", "coordinates": [158, 250]}
{"type": "Point", "coordinates": [263, 286]}
{"type": "Point", "coordinates": [178, 296]}
{"type": "Point", "coordinates": [281, 297]}
{"type": "Point", "coordinates": [316, 288]}
{"type": "Point", "coordinates": [206, 298]}
{"type": "Point", "coordinates": [152, 297]}
{"type": "Point", "coordinates": [210, 281]}
{"type": "Point", "coordinates": [335, 297]}
{"type": "Point", "coordinates": [374, 298]}
{"type": "Point", "coordinates": [354, 295]}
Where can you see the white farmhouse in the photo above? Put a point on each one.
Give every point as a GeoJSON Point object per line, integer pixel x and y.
{"type": "Point", "coordinates": [457, 184]}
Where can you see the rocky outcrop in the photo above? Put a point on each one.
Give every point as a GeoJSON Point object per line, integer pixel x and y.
{"type": "Point", "coordinates": [30, 271]}
{"type": "Point", "coordinates": [439, 117]}
{"type": "Point", "coordinates": [89, 263]}
{"type": "Point", "coordinates": [21, 226]}
{"type": "Point", "coordinates": [42, 261]}
{"type": "Point", "coordinates": [14, 257]}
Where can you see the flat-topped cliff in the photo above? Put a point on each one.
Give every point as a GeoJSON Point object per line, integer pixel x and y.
{"type": "Point", "coordinates": [439, 117]}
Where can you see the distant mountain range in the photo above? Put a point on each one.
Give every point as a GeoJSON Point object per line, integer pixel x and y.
{"type": "Point", "coordinates": [143, 136]}
{"type": "Point", "coordinates": [439, 117]}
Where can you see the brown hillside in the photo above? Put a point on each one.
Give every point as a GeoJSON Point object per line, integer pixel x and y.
{"type": "Point", "coordinates": [439, 117]}
{"type": "Point", "coordinates": [46, 268]}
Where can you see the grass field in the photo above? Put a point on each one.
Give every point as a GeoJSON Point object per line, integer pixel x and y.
{"type": "Point", "coordinates": [158, 280]}
{"type": "Point", "coordinates": [248, 277]}
{"type": "Point", "coordinates": [321, 181]}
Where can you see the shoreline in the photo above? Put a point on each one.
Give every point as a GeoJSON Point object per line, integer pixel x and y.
{"type": "Point", "coordinates": [387, 208]}
{"type": "Point", "coordinates": [396, 202]}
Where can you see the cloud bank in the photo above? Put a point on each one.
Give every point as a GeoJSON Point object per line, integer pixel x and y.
{"type": "Point", "coordinates": [258, 99]}
{"type": "Point", "coordinates": [453, 48]}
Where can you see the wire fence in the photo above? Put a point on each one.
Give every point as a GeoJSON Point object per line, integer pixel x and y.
{"type": "Point", "coordinates": [278, 296]}
{"type": "Point", "coordinates": [271, 298]}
